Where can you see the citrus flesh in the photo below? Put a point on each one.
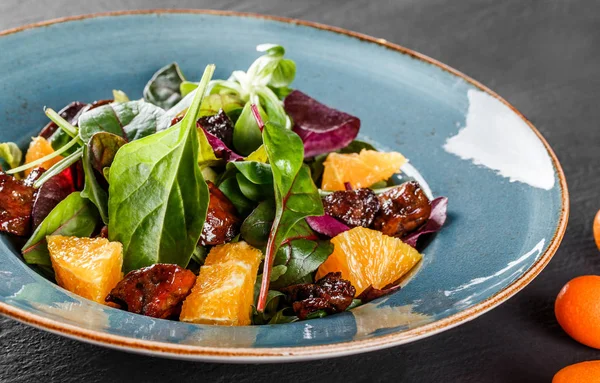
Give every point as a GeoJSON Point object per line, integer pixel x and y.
{"type": "Point", "coordinates": [89, 267]}
{"type": "Point", "coordinates": [367, 257]}
{"type": "Point", "coordinates": [224, 290]}
{"type": "Point", "coordinates": [39, 148]}
{"type": "Point", "coordinates": [360, 170]}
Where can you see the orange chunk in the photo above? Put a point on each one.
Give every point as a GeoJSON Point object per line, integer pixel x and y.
{"type": "Point", "coordinates": [40, 147]}
{"type": "Point", "coordinates": [90, 267]}
{"type": "Point", "coordinates": [224, 291]}
{"type": "Point", "coordinates": [360, 170]}
{"type": "Point", "coordinates": [367, 257]}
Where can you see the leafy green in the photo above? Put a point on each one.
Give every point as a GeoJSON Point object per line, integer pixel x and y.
{"type": "Point", "coordinates": [356, 146]}
{"type": "Point", "coordinates": [103, 148]}
{"type": "Point", "coordinates": [252, 191]}
{"type": "Point", "coordinates": [256, 172]}
{"type": "Point", "coordinates": [74, 216]}
{"type": "Point", "coordinates": [11, 155]}
{"type": "Point", "coordinates": [92, 189]}
{"type": "Point", "coordinates": [232, 191]}
{"type": "Point", "coordinates": [296, 195]}
{"type": "Point", "coordinates": [273, 298]}
{"type": "Point", "coordinates": [246, 133]}
{"type": "Point", "coordinates": [283, 316]}
{"type": "Point", "coordinates": [59, 167]}
{"type": "Point", "coordinates": [119, 96]}
{"type": "Point", "coordinates": [302, 253]}
{"type": "Point", "coordinates": [206, 153]}
{"type": "Point", "coordinates": [131, 120]}
{"type": "Point", "coordinates": [257, 226]}
{"type": "Point", "coordinates": [158, 198]}
{"type": "Point", "coordinates": [163, 89]}
{"type": "Point", "coordinates": [231, 104]}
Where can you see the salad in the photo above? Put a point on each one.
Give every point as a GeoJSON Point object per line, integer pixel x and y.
{"type": "Point", "coordinates": [225, 202]}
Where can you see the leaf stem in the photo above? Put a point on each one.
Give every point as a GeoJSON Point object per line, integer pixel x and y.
{"type": "Point", "coordinates": [59, 167]}
{"type": "Point", "coordinates": [50, 156]}
{"type": "Point", "coordinates": [257, 117]}
{"type": "Point", "coordinates": [61, 122]}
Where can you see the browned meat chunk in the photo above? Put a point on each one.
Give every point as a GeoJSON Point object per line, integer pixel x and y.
{"type": "Point", "coordinates": [16, 203]}
{"type": "Point", "coordinates": [222, 222]}
{"type": "Point", "coordinates": [330, 293]}
{"type": "Point", "coordinates": [156, 291]}
{"type": "Point", "coordinates": [218, 125]}
{"type": "Point", "coordinates": [403, 210]}
{"type": "Point", "coordinates": [352, 207]}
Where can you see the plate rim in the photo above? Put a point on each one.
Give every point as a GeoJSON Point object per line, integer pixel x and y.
{"type": "Point", "coordinates": [302, 353]}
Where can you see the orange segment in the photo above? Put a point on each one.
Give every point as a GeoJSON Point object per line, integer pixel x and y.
{"type": "Point", "coordinates": [89, 267]}
{"type": "Point", "coordinates": [224, 291]}
{"type": "Point", "coordinates": [361, 170]}
{"type": "Point", "coordinates": [367, 257]}
{"type": "Point", "coordinates": [40, 147]}
{"type": "Point", "coordinates": [235, 251]}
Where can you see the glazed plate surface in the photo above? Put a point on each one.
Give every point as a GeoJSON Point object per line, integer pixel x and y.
{"type": "Point", "coordinates": [508, 200]}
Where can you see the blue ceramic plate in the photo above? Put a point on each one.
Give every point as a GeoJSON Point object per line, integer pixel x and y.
{"type": "Point", "coordinates": [508, 195]}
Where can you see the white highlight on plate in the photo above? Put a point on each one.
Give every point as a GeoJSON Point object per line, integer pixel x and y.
{"type": "Point", "coordinates": [510, 272]}
{"type": "Point", "coordinates": [497, 138]}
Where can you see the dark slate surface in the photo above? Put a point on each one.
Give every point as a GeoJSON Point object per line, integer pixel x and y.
{"type": "Point", "coordinates": [542, 56]}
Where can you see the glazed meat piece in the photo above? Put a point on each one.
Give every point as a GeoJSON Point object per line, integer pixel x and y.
{"type": "Point", "coordinates": [403, 210]}
{"type": "Point", "coordinates": [352, 207]}
{"type": "Point", "coordinates": [330, 293]}
{"type": "Point", "coordinates": [16, 204]}
{"type": "Point", "coordinates": [222, 222]}
{"type": "Point", "coordinates": [218, 125]}
{"type": "Point", "coordinates": [156, 291]}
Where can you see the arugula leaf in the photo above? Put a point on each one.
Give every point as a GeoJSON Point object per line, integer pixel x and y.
{"type": "Point", "coordinates": [296, 195]}
{"type": "Point", "coordinates": [158, 199]}
{"type": "Point", "coordinates": [92, 189]}
{"type": "Point", "coordinates": [131, 120]}
{"type": "Point", "coordinates": [11, 155]}
{"type": "Point", "coordinates": [74, 216]}
{"type": "Point", "coordinates": [163, 89]}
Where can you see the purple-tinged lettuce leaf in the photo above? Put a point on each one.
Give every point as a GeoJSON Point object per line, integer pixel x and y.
{"type": "Point", "coordinates": [221, 150]}
{"type": "Point", "coordinates": [437, 218]}
{"type": "Point", "coordinates": [322, 129]}
{"type": "Point", "coordinates": [326, 225]}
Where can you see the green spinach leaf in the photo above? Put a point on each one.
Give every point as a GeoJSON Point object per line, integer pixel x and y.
{"type": "Point", "coordinates": [92, 189]}
{"type": "Point", "coordinates": [163, 89]}
{"type": "Point", "coordinates": [296, 195]}
{"type": "Point", "coordinates": [257, 226]}
{"type": "Point", "coordinates": [158, 198]}
{"type": "Point", "coordinates": [232, 191]}
{"type": "Point", "coordinates": [73, 216]}
{"type": "Point", "coordinates": [131, 120]}
{"type": "Point", "coordinates": [252, 191]}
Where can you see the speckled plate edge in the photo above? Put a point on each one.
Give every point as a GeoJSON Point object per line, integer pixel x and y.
{"type": "Point", "coordinates": [257, 355]}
